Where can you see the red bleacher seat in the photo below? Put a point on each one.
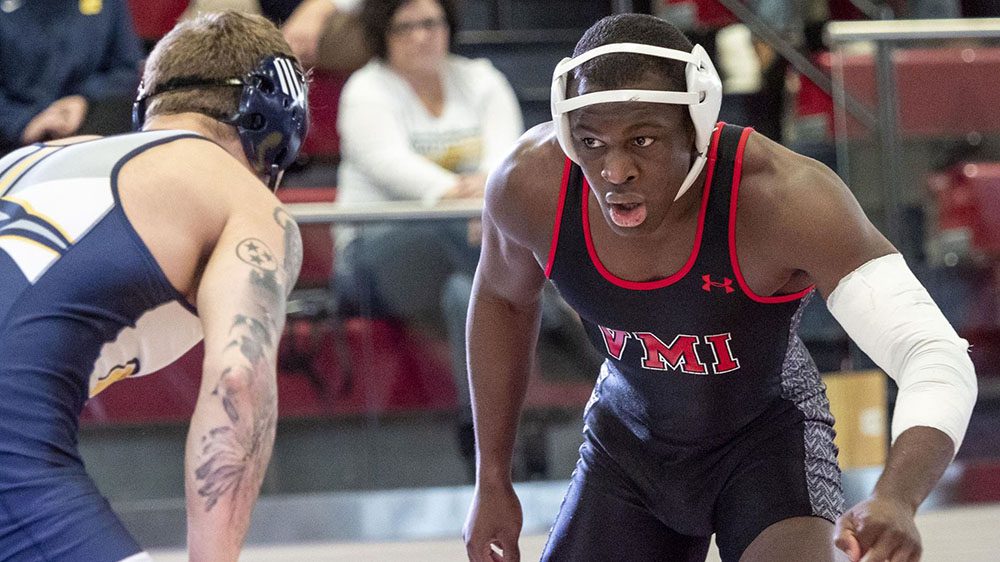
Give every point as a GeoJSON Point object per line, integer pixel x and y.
{"type": "Point", "coordinates": [317, 240]}
{"type": "Point", "coordinates": [968, 196]}
{"type": "Point", "coordinates": [980, 482]}
{"type": "Point", "coordinates": [935, 87]}
{"type": "Point", "coordinates": [710, 13]}
{"type": "Point", "coordinates": [154, 18]}
{"type": "Point", "coordinates": [324, 99]}
{"type": "Point", "coordinates": [310, 344]}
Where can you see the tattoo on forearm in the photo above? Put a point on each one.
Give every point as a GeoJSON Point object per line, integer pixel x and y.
{"type": "Point", "coordinates": [228, 403]}
{"type": "Point", "coordinates": [232, 457]}
{"type": "Point", "coordinates": [232, 453]}
{"type": "Point", "coordinates": [222, 472]}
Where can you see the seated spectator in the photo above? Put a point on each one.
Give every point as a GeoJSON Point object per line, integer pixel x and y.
{"type": "Point", "coordinates": [68, 68]}
{"type": "Point", "coordinates": [327, 34]}
{"type": "Point", "coordinates": [324, 34]}
{"type": "Point", "coordinates": [418, 123]}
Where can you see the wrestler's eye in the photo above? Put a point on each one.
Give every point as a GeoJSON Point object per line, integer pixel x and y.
{"type": "Point", "coordinates": [591, 142]}
{"type": "Point", "coordinates": [643, 141]}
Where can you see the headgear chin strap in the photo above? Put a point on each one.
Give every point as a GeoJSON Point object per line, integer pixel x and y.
{"type": "Point", "coordinates": [703, 97]}
{"type": "Point", "coordinates": [272, 118]}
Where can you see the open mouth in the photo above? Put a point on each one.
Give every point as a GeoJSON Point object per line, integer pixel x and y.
{"type": "Point", "coordinates": [628, 215]}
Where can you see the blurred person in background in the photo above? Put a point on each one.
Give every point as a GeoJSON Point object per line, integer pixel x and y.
{"type": "Point", "coordinates": [421, 124]}
{"type": "Point", "coordinates": [69, 67]}
{"type": "Point", "coordinates": [325, 34]}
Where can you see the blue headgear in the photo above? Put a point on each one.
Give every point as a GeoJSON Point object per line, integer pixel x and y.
{"type": "Point", "coordinates": [273, 114]}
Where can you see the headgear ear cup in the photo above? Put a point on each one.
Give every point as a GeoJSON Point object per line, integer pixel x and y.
{"type": "Point", "coordinates": [273, 115]}
{"type": "Point", "coordinates": [703, 79]}
{"type": "Point", "coordinates": [561, 120]}
{"type": "Point", "coordinates": [139, 108]}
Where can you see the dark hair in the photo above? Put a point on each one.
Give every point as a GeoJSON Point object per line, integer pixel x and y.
{"type": "Point", "coordinates": [376, 19]}
{"type": "Point", "coordinates": [618, 70]}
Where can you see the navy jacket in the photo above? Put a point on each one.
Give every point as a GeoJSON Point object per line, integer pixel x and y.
{"type": "Point", "coordinates": [55, 48]}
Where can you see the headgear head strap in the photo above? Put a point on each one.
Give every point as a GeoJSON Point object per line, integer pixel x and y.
{"type": "Point", "coordinates": [273, 114]}
{"type": "Point", "coordinates": [703, 96]}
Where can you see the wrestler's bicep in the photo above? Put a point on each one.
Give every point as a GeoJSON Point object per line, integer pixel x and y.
{"type": "Point", "coordinates": [507, 269]}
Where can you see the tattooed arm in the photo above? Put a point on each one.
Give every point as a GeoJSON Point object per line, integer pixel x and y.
{"type": "Point", "coordinates": [241, 302]}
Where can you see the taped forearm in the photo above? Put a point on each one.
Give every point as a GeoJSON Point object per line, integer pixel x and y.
{"type": "Point", "coordinates": [892, 318]}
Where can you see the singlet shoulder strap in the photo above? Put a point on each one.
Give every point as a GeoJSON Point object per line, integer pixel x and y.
{"type": "Point", "coordinates": [714, 254]}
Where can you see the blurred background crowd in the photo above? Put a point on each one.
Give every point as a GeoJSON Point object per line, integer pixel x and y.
{"type": "Point", "coordinates": [415, 101]}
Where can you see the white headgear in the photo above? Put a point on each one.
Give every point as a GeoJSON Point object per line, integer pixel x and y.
{"type": "Point", "coordinates": [703, 96]}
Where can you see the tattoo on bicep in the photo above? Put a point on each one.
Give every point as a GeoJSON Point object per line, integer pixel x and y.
{"type": "Point", "coordinates": [265, 266]}
{"type": "Point", "coordinates": [293, 245]}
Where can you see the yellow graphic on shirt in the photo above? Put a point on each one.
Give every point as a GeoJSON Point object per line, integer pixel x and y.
{"type": "Point", "coordinates": [460, 152]}
{"type": "Point", "coordinates": [44, 219]}
{"type": "Point", "coordinates": [461, 157]}
{"type": "Point", "coordinates": [117, 373]}
{"type": "Point", "coordinates": [90, 7]}
{"type": "Point", "coordinates": [11, 175]}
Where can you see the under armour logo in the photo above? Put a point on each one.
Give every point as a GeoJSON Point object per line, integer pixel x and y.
{"type": "Point", "coordinates": [726, 285]}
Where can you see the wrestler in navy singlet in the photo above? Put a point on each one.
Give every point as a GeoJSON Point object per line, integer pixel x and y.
{"type": "Point", "coordinates": [708, 416]}
{"type": "Point", "coordinates": [83, 304]}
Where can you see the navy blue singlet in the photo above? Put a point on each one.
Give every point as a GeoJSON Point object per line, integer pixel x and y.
{"type": "Point", "coordinates": [82, 305]}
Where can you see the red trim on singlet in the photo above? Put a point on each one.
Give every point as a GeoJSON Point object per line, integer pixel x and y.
{"type": "Point", "coordinates": [659, 284]}
{"type": "Point", "coordinates": [737, 172]}
{"type": "Point", "coordinates": [559, 214]}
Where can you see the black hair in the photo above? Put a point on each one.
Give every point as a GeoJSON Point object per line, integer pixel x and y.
{"type": "Point", "coordinates": [618, 70]}
{"type": "Point", "coordinates": [376, 19]}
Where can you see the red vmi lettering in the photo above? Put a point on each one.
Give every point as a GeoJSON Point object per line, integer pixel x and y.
{"type": "Point", "coordinates": [724, 360]}
{"type": "Point", "coordinates": [615, 340]}
{"type": "Point", "coordinates": [680, 353]}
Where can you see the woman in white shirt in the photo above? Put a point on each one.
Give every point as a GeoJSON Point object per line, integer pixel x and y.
{"type": "Point", "coordinates": [418, 123]}
{"type": "Point", "coordinates": [421, 124]}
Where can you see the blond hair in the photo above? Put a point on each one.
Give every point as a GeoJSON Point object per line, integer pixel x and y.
{"type": "Point", "coordinates": [211, 47]}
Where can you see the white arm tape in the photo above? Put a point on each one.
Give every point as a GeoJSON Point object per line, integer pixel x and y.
{"type": "Point", "coordinates": [892, 318]}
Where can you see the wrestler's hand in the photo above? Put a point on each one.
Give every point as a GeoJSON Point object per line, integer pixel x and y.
{"type": "Point", "coordinates": [494, 519]}
{"type": "Point", "coordinates": [879, 529]}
